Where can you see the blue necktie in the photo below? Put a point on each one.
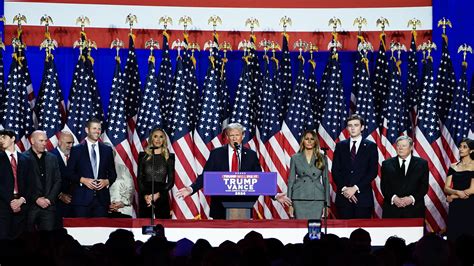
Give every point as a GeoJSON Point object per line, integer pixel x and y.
{"type": "Point", "coordinates": [94, 161]}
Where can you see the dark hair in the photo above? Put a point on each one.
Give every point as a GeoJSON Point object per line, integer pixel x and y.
{"type": "Point", "coordinates": [92, 120]}
{"type": "Point", "coordinates": [470, 145]}
{"type": "Point", "coordinates": [8, 132]}
{"type": "Point", "coordinates": [356, 117]}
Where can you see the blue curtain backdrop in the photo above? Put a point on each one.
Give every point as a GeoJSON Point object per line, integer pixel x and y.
{"type": "Point", "coordinates": [458, 11]}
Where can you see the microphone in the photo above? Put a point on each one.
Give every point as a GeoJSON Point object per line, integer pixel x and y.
{"type": "Point", "coordinates": [154, 148]}
{"type": "Point", "coordinates": [236, 145]}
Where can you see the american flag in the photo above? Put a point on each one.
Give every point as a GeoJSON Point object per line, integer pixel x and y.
{"type": "Point", "coordinates": [255, 75]}
{"type": "Point", "coordinates": [380, 79]}
{"type": "Point", "coordinates": [17, 110]}
{"type": "Point", "coordinates": [50, 105]}
{"type": "Point", "coordinates": [208, 132]}
{"type": "Point", "coordinates": [84, 99]}
{"type": "Point", "coordinates": [222, 89]}
{"type": "Point", "coordinates": [192, 88]}
{"type": "Point", "coordinates": [241, 111]}
{"type": "Point", "coordinates": [271, 140]}
{"type": "Point", "coordinates": [471, 132]}
{"type": "Point", "coordinates": [356, 78]}
{"type": "Point", "coordinates": [182, 145]}
{"type": "Point", "coordinates": [332, 126]}
{"type": "Point", "coordinates": [26, 73]}
{"type": "Point", "coordinates": [445, 81]}
{"type": "Point", "coordinates": [132, 97]}
{"type": "Point", "coordinates": [315, 93]}
{"type": "Point", "coordinates": [165, 82]}
{"type": "Point", "coordinates": [284, 76]}
{"type": "Point", "coordinates": [149, 116]}
{"type": "Point", "coordinates": [393, 111]}
{"type": "Point", "coordinates": [428, 146]}
{"type": "Point", "coordinates": [365, 108]}
{"type": "Point", "coordinates": [459, 119]}
{"type": "Point", "coordinates": [116, 130]}
{"type": "Point", "coordinates": [413, 84]}
{"type": "Point", "coordinates": [445, 86]}
{"type": "Point", "coordinates": [2, 87]}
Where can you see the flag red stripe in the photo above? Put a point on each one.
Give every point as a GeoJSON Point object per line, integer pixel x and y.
{"type": "Point", "coordinates": [66, 36]}
{"type": "Point", "coordinates": [250, 3]}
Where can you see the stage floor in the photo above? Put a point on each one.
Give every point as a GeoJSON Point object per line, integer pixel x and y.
{"type": "Point", "coordinates": [96, 230]}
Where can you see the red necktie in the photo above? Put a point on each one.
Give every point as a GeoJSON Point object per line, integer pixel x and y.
{"type": "Point", "coordinates": [235, 162]}
{"type": "Point", "coordinates": [353, 151]}
{"type": "Point", "coordinates": [14, 166]}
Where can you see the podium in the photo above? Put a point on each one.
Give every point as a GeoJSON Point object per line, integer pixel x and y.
{"type": "Point", "coordinates": [237, 186]}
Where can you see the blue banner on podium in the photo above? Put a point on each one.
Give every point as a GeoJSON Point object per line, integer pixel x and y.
{"type": "Point", "coordinates": [240, 183]}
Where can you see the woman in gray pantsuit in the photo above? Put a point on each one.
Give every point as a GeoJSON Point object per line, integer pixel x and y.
{"type": "Point", "coordinates": [308, 183]}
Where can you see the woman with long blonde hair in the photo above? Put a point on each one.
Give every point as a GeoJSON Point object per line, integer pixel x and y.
{"type": "Point", "coordinates": [308, 183]}
{"type": "Point", "coordinates": [155, 172]}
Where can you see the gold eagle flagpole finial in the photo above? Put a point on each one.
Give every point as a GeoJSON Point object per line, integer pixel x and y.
{"type": "Point", "coordinates": [413, 23]}
{"type": "Point", "coordinates": [382, 22]}
{"type": "Point", "coordinates": [46, 20]}
{"type": "Point", "coordinates": [464, 49]}
{"type": "Point", "coordinates": [131, 20]}
{"type": "Point", "coordinates": [285, 22]}
{"type": "Point", "coordinates": [360, 21]}
{"type": "Point", "coordinates": [185, 21]}
{"type": "Point", "coordinates": [2, 45]}
{"type": "Point", "coordinates": [83, 21]}
{"type": "Point", "coordinates": [165, 21]}
{"type": "Point", "coordinates": [214, 20]}
{"type": "Point", "coordinates": [117, 44]}
{"type": "Point", "coordinates": [302, 46]}
{"type": "Point", "coordinates": [19, 19]}
{"type": "Point", "coordinates": [444, 22]}
{"type": "Point", "coordinates": [252, 23]}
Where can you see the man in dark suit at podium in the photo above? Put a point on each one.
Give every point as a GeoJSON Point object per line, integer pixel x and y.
{"type": "Point", "coordinates": [225, 159]}
{"type": "Point", "coordinates": [404, 183]}
{"type": "Point", "coordinates": [92, 172]}
{"type": "Point", "coordinates": [354, 167]}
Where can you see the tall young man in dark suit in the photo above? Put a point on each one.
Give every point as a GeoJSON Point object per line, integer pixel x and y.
{"type": "Point", "coordinates": [15, 192]}
{"type": "Point", "coordinates": [63, 153]}
{"type": "Point", "coordinates": [224, 159]}
{"type": "Point", "coordinates": [92, 172]}
{"type": "Point", "coordinates": [404, 183]}
{"type": "Point", "coordinates": [47, 180]}
{"type": "Point", "coordinates": [354, 167]}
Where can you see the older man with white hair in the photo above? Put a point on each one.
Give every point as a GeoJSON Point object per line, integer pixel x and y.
{"type": "Point", "coordinates": [46, 179]}
{"type": "Point", "coordinates": [224, 159]}
{"type": "Point", "coordinates": [404, 182]}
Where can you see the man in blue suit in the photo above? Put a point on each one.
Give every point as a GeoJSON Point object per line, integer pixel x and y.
{"type": "Point", "coordinates": [92, 172]}
{"type": "Point", "coordinates": [224, 159]}
{"type": "Point", "coordinates": [354, 167]}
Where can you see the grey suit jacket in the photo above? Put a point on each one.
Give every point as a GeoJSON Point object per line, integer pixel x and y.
{"type": "Point", "coordinates": [306, 182]}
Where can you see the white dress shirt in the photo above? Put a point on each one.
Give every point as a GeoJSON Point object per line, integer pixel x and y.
{"type": "Point", "coordinates": [89, 148]}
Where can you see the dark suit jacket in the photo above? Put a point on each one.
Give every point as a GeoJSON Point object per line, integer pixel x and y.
{"type": "Point", "coordinates": [24, 181]}
{"type": "Point", "coordinates": [65, 173]}
{"type": "Point", "coordinates": [415, 183]}
{"type": "Point", "coordinates": [361, 172]}
{"type": "Point", "coordinates": [218, 161]}
{"type": "Point", "coordinates": [52, 184]}
{"type": "Point", "coordinates": [79, 165]}
{"type": "Point", "coordinates": [13, 224]}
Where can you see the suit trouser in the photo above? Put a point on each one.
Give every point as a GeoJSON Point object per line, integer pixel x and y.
{"type": "Point", "coordinates": [354, 212]}
{"type": "Point", "coordinates": [12, 225]}
{"type": "Point", "coordinates": [94, 209]}
{"type": "Point", "coordinates": [41, 219]}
